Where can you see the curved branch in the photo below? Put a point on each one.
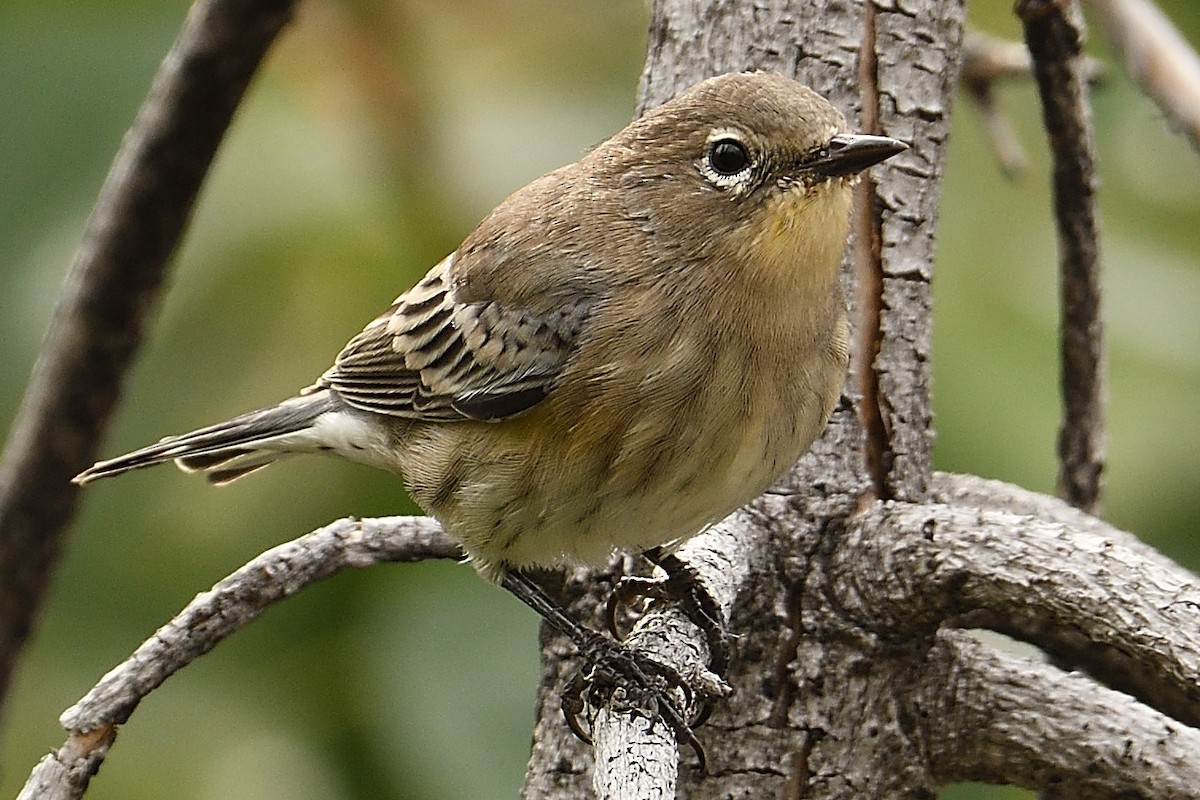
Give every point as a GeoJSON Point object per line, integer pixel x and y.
{"type": "Point", "coordinates": [972, 491]}
{"type": "Point", "coordinates": [228, 607]}
{"type": "Point", "coordinates": [1060, 587]}
{"type": "Point", "coordinates": [1037, 726]}
{"type": "Point", "coordinates": [1072, 649]}
{"type": "Point", "coordinates": [134, 228]}
{"type": "Point", "coordinates": [240, 598]}
{"type": "Point", "coordinates": [626, 746]}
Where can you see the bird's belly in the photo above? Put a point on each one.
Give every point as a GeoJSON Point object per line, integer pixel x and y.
{"type": "Point", "coordinates": [624, 461]}
{"type": "Point", "coordinates": [588, 523]}
{"type": "Point", "coordinates": [656, 488]}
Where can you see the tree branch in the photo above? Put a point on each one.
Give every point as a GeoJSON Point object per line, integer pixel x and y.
{"type": "Point", "coordinates": [113, 282]}
{"type": "Point", "coordinates": [899, 570]}
{"type": "Point", "coordinates": [723, 558]}
{"type": "Point", "coordinates": [1157, 56]}
{"type": "Point", "coordinates": [636, 757]}
{"type": "Point", "coordinates": [899, 575]}
{"type": "Point", "coordinates": [1071, 649]}
{"type": "Point", "coordinates": [214, 615]}
{"type": "Point", "coordinates": [1054, 33]}
{"type": "Point", "coordinates": [64, 774]}
{"type": "Point", "coordinates": [987, 60]}
{"type": "Point", "coordinates": [1030, 578]}
{"type": "Point", "coordinates": [240, 598]}
{"type": "Point", "coordinates": [972, 491]}
{"type": "Point", "coordinates": [1037, 726]}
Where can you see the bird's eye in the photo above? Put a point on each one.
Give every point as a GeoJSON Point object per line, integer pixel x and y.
{"type": "Point", "coordinates": [728, 157]}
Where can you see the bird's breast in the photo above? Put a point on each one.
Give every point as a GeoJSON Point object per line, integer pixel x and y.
{"type": "Point", "coordinates": [674, 411]}
{"type": "Point", "coordinates": [625, 456]}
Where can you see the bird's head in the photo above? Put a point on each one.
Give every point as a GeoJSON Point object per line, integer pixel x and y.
{"type": "Point", "coordinates": [752, 161]}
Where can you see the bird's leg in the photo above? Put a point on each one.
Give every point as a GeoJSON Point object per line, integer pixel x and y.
{"type": "Point", "coordinates": [682, 586]}
{"type": "Point", "coordinates": [608, 666]}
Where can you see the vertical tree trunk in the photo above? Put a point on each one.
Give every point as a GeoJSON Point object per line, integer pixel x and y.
{"type": "Point", "coordinates": [811, 716]}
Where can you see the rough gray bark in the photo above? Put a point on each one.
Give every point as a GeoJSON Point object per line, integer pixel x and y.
{"type": "Point", "coordinates": [864, 562]}
{"type": "Point", "coordinates": [850, 678]}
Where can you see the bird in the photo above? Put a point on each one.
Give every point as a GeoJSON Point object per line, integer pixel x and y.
{"type": "Point", "coordinates": [620, 354]}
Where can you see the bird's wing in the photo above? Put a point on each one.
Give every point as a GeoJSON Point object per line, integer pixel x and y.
{"type": "Point", "coordinates": [429, 357]}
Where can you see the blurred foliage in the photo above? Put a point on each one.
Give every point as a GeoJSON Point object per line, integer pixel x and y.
{"type": "Point", "coordinates": [379, 132]}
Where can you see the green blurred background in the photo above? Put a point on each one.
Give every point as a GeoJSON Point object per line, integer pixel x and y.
{"type": "Point", "coordinates": [378, 134]}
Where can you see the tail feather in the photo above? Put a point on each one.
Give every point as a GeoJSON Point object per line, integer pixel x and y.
{"type": "Point", "coordinates": [228, 450]}
{"type": "Point", "coordinates": [220, 477]}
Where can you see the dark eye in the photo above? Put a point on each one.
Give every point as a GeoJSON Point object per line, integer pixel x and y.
{"type": "Point", "coordinates": [728, 157]}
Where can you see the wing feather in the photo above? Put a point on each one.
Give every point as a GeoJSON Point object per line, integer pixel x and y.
{"type": "Point", "coordinates": [429, 357]}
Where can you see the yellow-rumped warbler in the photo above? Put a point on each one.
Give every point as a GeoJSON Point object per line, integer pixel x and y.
{"type": "Point", "coordinates": [621, 353]}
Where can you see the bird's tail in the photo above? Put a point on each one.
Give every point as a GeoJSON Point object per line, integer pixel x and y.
{"type": "Point", "coordinates": [228, 450]}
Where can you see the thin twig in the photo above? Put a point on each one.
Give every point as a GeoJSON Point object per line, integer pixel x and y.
{"type": "Point", "coordinates": [1157, 56]}
{"type": "Point", "coordinates": [213, 616]}
{"type": "Point", "coordinates": [1053, 31]}
{"type": "Point", "coordinates": [988, 60]}
{"type": "Point", "coordinates": [113, 282]}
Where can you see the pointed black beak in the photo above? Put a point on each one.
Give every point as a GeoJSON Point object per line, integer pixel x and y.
{"type": "Point", "coordinates": [850, 153]}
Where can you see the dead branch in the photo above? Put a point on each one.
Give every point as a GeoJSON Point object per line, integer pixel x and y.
{"type": "Point", "coordinates": [1054, 33]}
{"type": "Point", "coordinates": [214, 615]}
{"type": "Point", "coordinates": [900, 571]}
{"type": "Point", "coordinates": [1031, 575]}
{"type": "Point", "coordinates": [634, 756]}
{"type": "Point", "coordinates": [1157, 56]}
{"type": "Point", "coordinates": [989, 60]}
{"type": "Point", "coordinates": [110, 290]}
{"type": "Point", "coordinates": [1034, 725]}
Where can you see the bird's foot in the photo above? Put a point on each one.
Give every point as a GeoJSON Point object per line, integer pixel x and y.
{"type": "Point", "coordinates": [646, 684]}
{"type": "Point", "coordinates": [682, 587]}
{"type": "Point", "coordinates": [649, 687]}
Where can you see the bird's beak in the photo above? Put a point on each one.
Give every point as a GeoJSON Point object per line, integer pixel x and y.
{"type": "Point", "coordinates": [850, 153]}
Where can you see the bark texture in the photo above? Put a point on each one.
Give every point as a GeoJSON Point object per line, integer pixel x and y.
{"type": "Point", "coordinates": [793, 725]}
{"type": "Point", "coordinates": [864, 567]}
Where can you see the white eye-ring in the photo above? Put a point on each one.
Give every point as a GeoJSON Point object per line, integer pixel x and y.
{"type": "Point", "coordinates": [728, 162]}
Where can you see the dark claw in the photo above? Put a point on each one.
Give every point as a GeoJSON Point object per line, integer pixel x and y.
{"type": "Point", "coordinates": [683, 587]}
{"type": "Point", "coordinates": [703, 712]}
{"type": "Point", "coordinates": [573, 705]}
{"type": "Point", "coordinates": [646, 682]}
{"type": "Point", "coordinates": [628, 590]}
